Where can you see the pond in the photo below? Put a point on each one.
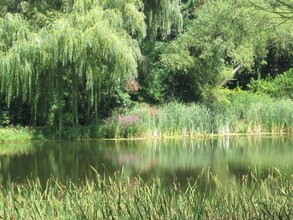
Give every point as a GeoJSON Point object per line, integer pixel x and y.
{"type": "Point", "coordinates": [168, 159]}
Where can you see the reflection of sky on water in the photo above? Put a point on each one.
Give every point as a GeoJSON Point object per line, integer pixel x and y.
{"type": "Point", "coordinates": [167, 159]}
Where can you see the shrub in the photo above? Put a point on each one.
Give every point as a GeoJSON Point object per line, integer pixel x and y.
{"type": "Point", "coordinates": [279, 87]}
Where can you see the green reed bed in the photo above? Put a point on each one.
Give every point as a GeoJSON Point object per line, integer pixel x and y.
{"type": "Point", "coordinates": [245, 112]}
{"type": "Point", "coordinates": [248, 198]}
{"type": "Point", "coordinates": [237, 112]}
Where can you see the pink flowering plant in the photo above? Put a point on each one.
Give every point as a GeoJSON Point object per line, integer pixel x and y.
{"type": "Point", "coordinates": [120, 126]}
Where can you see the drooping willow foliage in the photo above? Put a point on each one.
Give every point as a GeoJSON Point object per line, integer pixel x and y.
{"type": "Point", "coordinates": [163, 16]}
{"type": "Point", "coordinates": [88, 46]}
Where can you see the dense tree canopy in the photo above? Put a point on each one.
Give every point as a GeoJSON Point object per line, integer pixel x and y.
{"type": "Point", "coordinates": [226, 34]}
{"type": "Point", "coordinates": [69, 62]}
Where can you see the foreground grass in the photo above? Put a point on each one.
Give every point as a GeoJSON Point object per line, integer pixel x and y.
{"type": "Point", "coordinates": [252, 197]}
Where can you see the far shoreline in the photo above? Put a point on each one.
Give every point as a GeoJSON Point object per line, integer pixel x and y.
{"type": "Point", "coordinates": [25, 134]}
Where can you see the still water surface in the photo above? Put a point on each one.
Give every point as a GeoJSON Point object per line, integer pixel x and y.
{"type": "Point", "coordinates": [169, 160]}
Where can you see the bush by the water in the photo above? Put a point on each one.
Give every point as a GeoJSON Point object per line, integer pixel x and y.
{"type": "Point", "coordinates": [19, 134]}
{"type": "Point", "coordinates": [279, 87]}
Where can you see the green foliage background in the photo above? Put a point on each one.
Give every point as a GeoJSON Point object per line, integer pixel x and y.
{"type": "Point", "coordinates": [66, 63]}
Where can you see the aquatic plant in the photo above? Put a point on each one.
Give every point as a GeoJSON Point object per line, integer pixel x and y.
{"type": "Point", "coordinates": [239, 112]}
{"type": "Point", "coordinates": [116, 198]}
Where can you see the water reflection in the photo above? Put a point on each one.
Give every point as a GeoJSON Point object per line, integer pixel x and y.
{"type": "Point", "coordinates": [168, 159]}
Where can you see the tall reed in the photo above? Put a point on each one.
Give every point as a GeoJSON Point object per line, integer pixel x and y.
{"type": "Point", "coordinates": [238, 112]}
{"type": "Point", "coordinates": [113, 198]}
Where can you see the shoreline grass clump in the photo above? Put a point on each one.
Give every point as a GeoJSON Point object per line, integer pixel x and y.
{"type": "Point", "coordinates": [19, 134]}
{"type": "Point", "coordinates": [248, 198]}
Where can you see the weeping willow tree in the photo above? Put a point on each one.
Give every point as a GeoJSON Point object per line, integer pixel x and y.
{"type": "Point", "coordinates": [92, 45]}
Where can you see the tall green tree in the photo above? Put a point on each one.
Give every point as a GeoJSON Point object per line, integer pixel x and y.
{"type": "Point", "coordinates": [225, 36]}
{"type": "Point", "coordinates": [93, 44]}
